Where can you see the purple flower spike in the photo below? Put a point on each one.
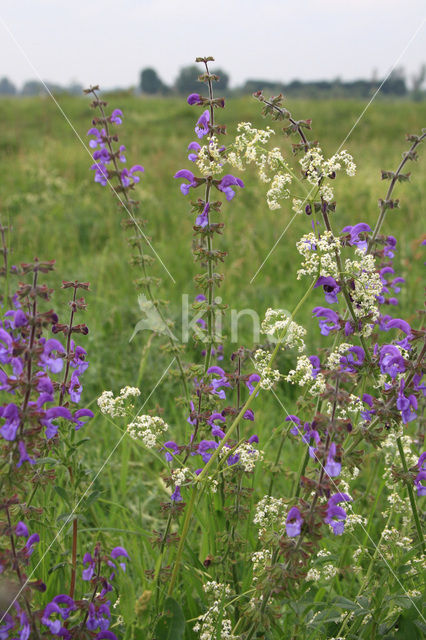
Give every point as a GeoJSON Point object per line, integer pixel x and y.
{"type": "Point", "coordinates": [331, 288]}
{"type": "Point", "coordinates": [226, 183]}
{"type": "Point", "coordinates": [106, 635]}
{"type": "Point", "coordinates": [293, 523]}
{"type": "Point", "coordinates": [194, 98]}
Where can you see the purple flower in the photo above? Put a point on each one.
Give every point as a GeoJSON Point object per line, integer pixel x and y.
{"type": "Point", "coordinates": [119, 551]}
{"type": "Point", "coordinates": [106, 635]}
{"type": "Point", "coordinates": [216, 430]}
{"type": "Point", "coordinates": [336, 515]}
{"type": "Point", "coordinates": [55, 626]}
{"type": "Point", "coordinates": [89, 571]}
{"type": "Point", "coordinates": [128, 175]}
{"type": "Point", "coordinates": [253, 378]}
{"type": "Point", "coordinates": [217, 383]}
{"type": "Point", "coordinates": [331, 288]}
{"type": "Point", "coordinates": [20, 319]}
{"type": "Point", "coordinates": [194, 98]}
{"type": "Point", "coordinates": [6, 343]}
{"type": "Point", "coordinates": [293, 523]}
{"type": "Point", "coordinates": [23, 455]}
{"type": "Point", "coordinates": [226, 183]}
{"type": "Point", "coordinates": [203, 219]}
{"type": "Point", "coordinates": [82, 413]}
{"type": "Point", "coordinates": [332, 467]}
{"type": "Point", "coordinates": [368, 400]}
{"type": "Point", "coordinates": [391, 361]}
{"type": "Point", "coordinates": [193, 146]}
{"type": "Point", "coordinates": [186, 175]}
{"type": "Point", "coordinates": [202, 126]}
{"type": "Point", "coordinates": [204, 448]}
{"type": "Point", "coordinates": [354, 358]}
{"type": "Point", "coordinates": [407, 406]}
{"type": "Point", "coordinates": [173, 446]}
{"type": "Point", "coordinates": [10, 427]}
{"type": "Point", "coordinates": [21, 530]}
{"type": "Point", "coordinates": [33, 539]}
{"type": "Point", "coordinates": [389, 247]}
{"type": "Point", "coordinates": [421, 488]}
{"type": "Point", "coordinates": [47, 360]}
{"type": "Point", "coordinates": [52, 414]}
{"type": "Point", "coordinates": [330, 322]}
{"type": "Point", "coordinates": [116, 116]}
{"type": "Point", "coordinates": [316, 365]}
{"type": "Point", "coordinates": [176, 495]}
{"type": "Point", "coordinates": [249, 415]}
{"type": "Point", "coordinates": [62, 598]}
{"type": "Point", "coordinates": [355, 232]}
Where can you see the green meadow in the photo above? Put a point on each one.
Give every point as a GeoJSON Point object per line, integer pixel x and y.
{"type": "Point", "coordinates": [56, 211]}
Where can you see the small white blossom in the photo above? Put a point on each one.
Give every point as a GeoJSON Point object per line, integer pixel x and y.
{"type": "Point", "coordinates": [148, 429]}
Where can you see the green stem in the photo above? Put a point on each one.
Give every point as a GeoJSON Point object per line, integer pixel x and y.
{"type": "Point", "coordinates": [411, 496]}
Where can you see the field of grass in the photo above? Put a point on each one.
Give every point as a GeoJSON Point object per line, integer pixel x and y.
{"type": "Point", "coordinates": [55, 211]}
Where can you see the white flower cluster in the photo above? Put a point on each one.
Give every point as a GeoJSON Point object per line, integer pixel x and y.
{"type": "Point", "coordinates": [249, 148]}
{"type": "Point", "coordinates": [180, 475]}
{"type": "Point", "coordinates": [210, 160]}
{"type": "Point", "coordinates": [269, 513]}
{"type": "Point", "coordinates": [319, 255]}
{"type": "Point", "coordinates": [248, 456]}
{"type": "Point", "coordinates": [148, 429]}
{"type": "Point", "coordinates": [208, 622]}
{"type": "Point", "coordinates": [278, 190]}
{"type": "Point", "coordinates": [327, 572]}
{"type": "Point", "coordinates": [317, 168]}
{"type": "Point", "coordinates": [302, 375]}
{"type": "Point", "coordinates": [268, 376]}
{"type": "Point", "coordinates": [274, 324]}
{"type": "Point", "coordinates": [394, 535]}
{"type": "Point", "coordinates": [117, 407]}
{"type": "Point", "coordinates": [368, 286]}
{"type": "Point", "coordinates": [260, 559]}
{"type": "Point", "coordinates": [354, 519]}
{"type": "Point", "coordinates": [333, 360]}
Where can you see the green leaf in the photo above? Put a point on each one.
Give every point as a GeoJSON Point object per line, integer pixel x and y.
{"type": "Point", "coordinates": [63, 494]}
{"type": "Point", "coordinates": [171, 625]}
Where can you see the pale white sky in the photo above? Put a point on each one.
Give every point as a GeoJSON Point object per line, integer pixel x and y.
{"type": "Point", "coordinates": [108, 42]}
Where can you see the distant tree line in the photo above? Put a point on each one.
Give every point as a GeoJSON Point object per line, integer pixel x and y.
{"type": "Point", "coordinates": [37, 88]}
{"type": "Point", "coordinates": [150, 83]}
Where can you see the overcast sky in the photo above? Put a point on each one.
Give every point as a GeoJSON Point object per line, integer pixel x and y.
{"type": "Point", "coordinates": [108, 42]}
